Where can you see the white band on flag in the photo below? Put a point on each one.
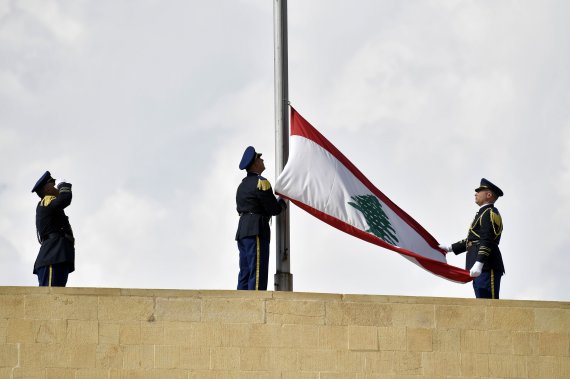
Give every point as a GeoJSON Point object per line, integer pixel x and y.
{"type": "Point", "coordinates": [321, 180]}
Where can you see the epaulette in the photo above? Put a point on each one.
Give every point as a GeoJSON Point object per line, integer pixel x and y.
{"type": "Point", "coordinates": [263, 184]}
{"type": "Point", "coordinates": [46, 200]}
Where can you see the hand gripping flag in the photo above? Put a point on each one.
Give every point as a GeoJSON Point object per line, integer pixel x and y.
{"type": "Point", "coordinates": [321, 180]}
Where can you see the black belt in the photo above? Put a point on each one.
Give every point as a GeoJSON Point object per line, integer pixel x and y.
{"type": "Point", "coordinates": [471, 243]}
{"type": "Point", "coordinates": [56, 235]}
{"type": "Point", "coordinates": [249, 213]}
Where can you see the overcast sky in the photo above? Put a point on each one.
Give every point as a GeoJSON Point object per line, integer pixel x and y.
{"type": "Point", "coordinates": [146, 107]}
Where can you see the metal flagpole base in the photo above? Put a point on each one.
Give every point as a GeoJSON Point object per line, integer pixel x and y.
{"type": "Point", "coordinates": [283, 281]}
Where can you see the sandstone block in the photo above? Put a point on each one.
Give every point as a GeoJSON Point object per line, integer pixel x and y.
{"type": "Point", "coordinates": [178, 309]}
{"type": "Point", "coordinates": [383, 362]}
{"type": "Point", "coordinates": [475, 341]}
{"type": "Point", "coordinates": [57, 356]}
{"type": "Point", "coordinates": [525, 343]}
{"type": "Point", "coordinates": [552, 319]}
{"type": "Point", "coordinates": [363, 338]}
{"type": "Point", "coordinates": [553, 344]}
{"type": "Point", "coordinates": [512, 319]}
{"type": "Point", "coordinates": [138, 356]}
{"type": "Point", "coordinates": [22, 331]}
{"type": "Point", "coordinates": [41, 355]}
{"type": "Point", "coordinates": [224, 358]}
{"type": "Point", "coordinates": [297, 336]}
{"type": "Point", "coordinates": [80, 356]}
{"type": "Point", "coordinates": [268, 359]}
{"type": "Point", "coordinates": [109, 332]}
{"type": "Point", "coordinates": [82, 332]}
{"type": "Point", "coordinates": [474, 365]}
{"type": "Point", "coordinates": [130, 333]}
{"type": "Point", "coordinates": [195, 358]}
{"type": "Point", "coordinates": [461, 317]}
{"type": "Point", "coordinates": [360, 314]}
{"type": "Point", "coordinates": [29, 373]}
{"type": "Point", "coordinates": [233, 310]}
{"type": "Point", "coordinates": [152, 333]}
{"type": "Point", "coordinates": [52, 331]}
{"type": "Point", "coordinates": [121, 308]}
{"type": "Point", "coordinates": [60, 307]}
{"type": "Point", "coordinates": [447, 340]}
{"type": "Point", "coordinates": [295, 312]}
{"type": "Point", "coordinates": [440, 364]}
{"type": "Point", "coordinates": [11, 306]}
{"type": "Point", "coordinates": [251, 335]}
{"type": "Point", "coordinates": [351, 361]}
{"type": "Point", "coordinates": [419, 339]}
{"type": "Point", "coordinates": [507, 366]}
{"type": "Point", "coordinates": [60, 373]}
{"type": "Point", "coordinates": [392, 338]}
{"type": "Point", "coordinates": [547, 367]}
{"type": "Point", "coordinates": [414, 315]}
{"type": "Point", "coordinates": [317, 360]}
{"type": "Point", "coordinates": [167, 356]}
{"type": "Point", "coordinates": [333, 337]}
{"type": "Point", "coordinates": [108, 356]}
{"type": "Point", "coordinates": [500, 342]}
{"type": "Point", "coordinates": [8, 355]}
{"type": "Point", "coordinates": [408, 363]}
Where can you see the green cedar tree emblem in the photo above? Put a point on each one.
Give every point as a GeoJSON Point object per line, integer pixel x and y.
{"type": "Point", "coordinates": [375, 217]}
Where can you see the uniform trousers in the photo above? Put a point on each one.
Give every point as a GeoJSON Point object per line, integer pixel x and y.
{"type": "Point", "coordinates": [53, 275]}
{"type": "Point", "coordinates": [487, 285]}
{"type": "Point", "coordinates": [253, 263]}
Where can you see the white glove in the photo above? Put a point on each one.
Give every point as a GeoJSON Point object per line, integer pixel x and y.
{"type": "Point", "coordinates": [476, 269]}
{"type": "Point", "coordinates": [446, 248]}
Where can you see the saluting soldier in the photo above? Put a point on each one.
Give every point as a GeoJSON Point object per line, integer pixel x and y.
{"type": "Point", "coordinates": [484, 260]}
{"type": "Point", "coordinates": [256, 203]}
{"type": "Point", "coordinates": [56, 258]}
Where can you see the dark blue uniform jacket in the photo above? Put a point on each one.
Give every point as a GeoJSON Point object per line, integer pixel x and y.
{"type": "Point", "coordinates": [482, 242]}
{"type": "Point", "coordinates": [256, 203]}
{"type": "Point", "coordinates": [54, 231]}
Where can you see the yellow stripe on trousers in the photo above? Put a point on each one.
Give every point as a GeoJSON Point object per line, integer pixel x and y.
{"type": "Point", "coordinates": [50, 275]}
{"type": "Point", "coordinates": [492, 284]}
{"type": "Point", "coordinates": [257, 263]}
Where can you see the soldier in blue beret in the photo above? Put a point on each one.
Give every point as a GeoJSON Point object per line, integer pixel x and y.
{"type": "Point", "coordinates": [484, 260]}
{"type": "Point", "coordinates": [256, 203]}
{"type": "Point", "coordinates": [56, 258]}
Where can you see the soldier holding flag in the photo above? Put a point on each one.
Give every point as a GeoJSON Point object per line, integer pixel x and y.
{"type": "Point", "coordinates": [256, 204]}
{"type": "Point", "coordinates": [484, 260]}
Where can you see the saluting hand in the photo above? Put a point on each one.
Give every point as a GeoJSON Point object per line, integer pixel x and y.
{"type": "Point", "coordinates": [63, 185]}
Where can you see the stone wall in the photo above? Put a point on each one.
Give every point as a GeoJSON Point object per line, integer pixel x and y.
{"type": "Point", "coordinates": [90, 333]}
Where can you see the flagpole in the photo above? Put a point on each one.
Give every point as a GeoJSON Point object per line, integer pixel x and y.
{"type": "Point", "coordinates": [283, 278]}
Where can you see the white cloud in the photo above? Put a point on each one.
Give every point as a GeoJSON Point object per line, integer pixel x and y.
{"type": "Point", "coordinates": [146, 109]}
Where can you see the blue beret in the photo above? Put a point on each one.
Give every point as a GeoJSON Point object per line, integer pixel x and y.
{"type": "Point", "coordinates": [46, 178]}
{"type": "Point", "coordinates": [248, 157]}
{"type": "Point", "coordinates": [485, 184]}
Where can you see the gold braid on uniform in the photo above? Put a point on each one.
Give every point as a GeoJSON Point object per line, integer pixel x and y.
{"type": "Point", "coordinates": [496, 220]}
{"type": "Point", "coordinates": [263, 184]}
{"type": "Point", "coordinates": [46, 200]}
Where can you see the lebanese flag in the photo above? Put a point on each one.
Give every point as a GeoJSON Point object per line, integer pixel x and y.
{"type": "Point", "coordinates": [321, 180]}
